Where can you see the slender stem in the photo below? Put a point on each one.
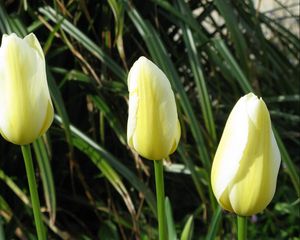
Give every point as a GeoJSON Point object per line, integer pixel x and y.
{"type": "Point", "coordinates": [2, 235]}
{"type": "Point", "coordinates": [160, 196]}
{"type": "Point", "coordinates": [35, 202]}
{"type": "Point", "coordinates": [242, 227]}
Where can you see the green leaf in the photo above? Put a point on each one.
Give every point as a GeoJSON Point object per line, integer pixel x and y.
{"type": "Point", "coordinates": [204, 100]}
{"type": "Point", "coordinates": [60, 108]}
{"type": "Point", "coordinates": [227, 11]}
{"type": "Point", "coordinates": [108, 231]}
{"type": "Point", "coordinates": [2, 234]}
{"type": "Point", "coordinates": [188, 229]}
{"type": "Point", "coordinates": [43, 160]}
{"type": "Point", "coordinates": [5, 23]}
{"type": "Point", "coordinates": [117, 7]}
{"type": "Point", "coordinates": [84, 40]}
{"type": "Point", "coordinates": [5, 209]}
{"type": "Point", "coordinates": [234, 67]}
{"type": "Point", "coordinates": [290, 166]}
{"type": "Point", "coordinates": [170, 220]}
{"type": "Point", "coordinates": [112, 119]}
{"type": "Point", "coordinates": [14, 187]}
{"type": "Point", "coordinates": [214, 224]}
{"type": "Point", "coordinates": [99, 154]}
{"type": "Point", "coordinates": [110, 174]}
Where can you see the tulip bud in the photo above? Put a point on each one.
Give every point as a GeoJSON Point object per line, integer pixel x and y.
{"type": "Point", "coordinates": [246, 164]}
{"type": "Point", "coordinates": [153, 128]}
{"type": "Point", "coordinates": [26, 110]}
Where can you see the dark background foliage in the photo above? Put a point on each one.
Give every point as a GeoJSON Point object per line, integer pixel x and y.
{"type": "Point", "coordinates": [213, 52]}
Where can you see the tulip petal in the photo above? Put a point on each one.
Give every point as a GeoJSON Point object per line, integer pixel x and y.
{"type": "Point", "coordinates": [48, 118]}
{"type": "Point", "coordinates": [153, 122]}
{"type": "Point", "coordinates": [254, 185]}
{"type": "Point", "coordinates": [251, 185]}
{"type": "Point", "coordinates": [132, 117]}
{"type": "Point", "coordinates": [25, 104]}
{"type": "Point", "coordinates": [230, 149]}
{"type": "Point", "coordinates": [32, 41]}
{"type": "Point", "coordinates": [176, 138]}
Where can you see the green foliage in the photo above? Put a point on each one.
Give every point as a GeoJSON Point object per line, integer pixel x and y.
{"type": "Point", "coordinates": [91, 185]}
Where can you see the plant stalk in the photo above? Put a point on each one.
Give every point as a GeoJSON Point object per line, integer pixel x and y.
{"type": "Point", "coordinates": [2, 235]}
{"type": "Point", "coordinates": [160, 196]}
{"type": "Point", "coordinates": [242, 227]}
{"type": "Point", "coordinates": [35, 202]}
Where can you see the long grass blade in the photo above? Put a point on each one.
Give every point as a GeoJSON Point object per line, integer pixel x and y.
{"type": "Point", "coordinates": [84, 40]}
{"type": "Point", "coordinates": [170, 220]}
{"type": "Point", "coordinates": [290, 166]}
{"type": "Point", "coordinates": [188, 229]}
{"type": "Point", "coordinates": [5, 24]}
{"type": "Point", "coordinates": [227, 11]}
{"type": "Point", "coordinates": [236, 71]}
{"type": "Point", "coordinates": [204, 100]}
{"type": "Point", "coordinates": [214, 224]}
{"type": "Point", "coordinates": [97, 151]}
{"type": "Point", "coordinates": [47, 177]}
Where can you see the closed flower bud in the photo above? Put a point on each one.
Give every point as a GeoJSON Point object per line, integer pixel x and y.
{"type": "Point", "coordinates": [246, 164]}
{"type": "Point", "coordinates": [26, 110]}
{"type": "Point", "coordinates": [153, 128]}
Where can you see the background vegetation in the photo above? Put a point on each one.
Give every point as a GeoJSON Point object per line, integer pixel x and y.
{"type": "Point", "coordinates": [91, 185]}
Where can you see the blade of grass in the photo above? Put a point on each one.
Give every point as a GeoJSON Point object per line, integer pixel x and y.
{"type": "Point", "coordinates": [199, 79]}
{"type": "Point", "coordinates": [60, 108]}
{"type": "Point", "coordinates": [113, 121]}
{"type": "Point", "coordinates": [228, 13]}
{"type": "Point", "coordinates": [290, 166]}
{"type": "Point", "coordinates": [84, 40]}
{"type": "Point", "coordinates": [277, 28]}
{"type": "Point", "coordinates": [214, 224]}
{"type": "Point", "coordinates": [100, 102]}
{"type": "Point", "coordinates": [283, 98]}
{"type": "Point", "coordinates": [186, 17]}
{"type": "Point", "coordinates": [47, 177]}
{"type": "Point", "coordinates": [170, 220]}
{"type": "Point", "coordinates": [110, 174]}
{"type": "Point", "coordinates": [2, 236]}
{"type": "Point", "coordinates": [186, 159]}
{"type": "Point", "coordinates": [11, 184]}
{"type": "Point", "coordinates": [232, 64]}
{"type": "Point", "coordinates": [95, 149]}
{"type": "Point", "coordinates": [23, 197]}
{"type": "Point", "coordinates": [118, 11]}
{"type": "Point", "coordinates": [188, 229]}
{"type": "Point", "coordinates": [5, 24]}
{"type": "Point", "coordinates": [5, 209]}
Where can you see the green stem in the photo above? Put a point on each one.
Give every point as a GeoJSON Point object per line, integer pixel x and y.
{"type": "Point", "coordinates": [160, 196]}
{"type": "Point", "coordinates": [2, 235]}
{"type": "Point", "coordinates": [35, 202]}
{"type": "Point", "coordinates": [242, 227]}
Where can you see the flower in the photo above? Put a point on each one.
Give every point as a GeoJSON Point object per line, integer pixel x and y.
{"type": "Point", "coordinates": [153, 128]}
{"type": "Point", "coordinates": [26, 110]}
{"type": "Point", "coordinates": [246, 164]}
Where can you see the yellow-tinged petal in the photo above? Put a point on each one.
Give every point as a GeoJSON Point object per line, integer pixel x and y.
{"type": "Point", "coordinates": [153, 128]}
{"type": "Point", "coordinates": [246, 164]}
{"type": "Point", "coordinates": [177, 138]}
{"type": "Point", "coordinates": [26, 109]}
{"type": "Point", "coordinates": [230, 149]}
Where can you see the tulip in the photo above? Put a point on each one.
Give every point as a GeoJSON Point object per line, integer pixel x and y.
{"type": "Point", "coordinates": [26, 110]}
{"type": "Point", "coordinates": [153, 128]}
{"type": "Point", "coordinates": [246, 164]}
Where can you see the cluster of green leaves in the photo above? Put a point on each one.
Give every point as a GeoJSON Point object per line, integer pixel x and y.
{"type": "Point", "coordinates": [94, 186]}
